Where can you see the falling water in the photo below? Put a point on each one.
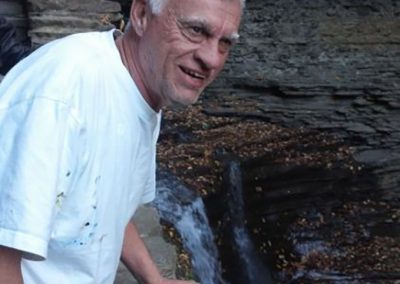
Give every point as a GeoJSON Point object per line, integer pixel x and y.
{"type": "Point", "coordinates": [179, 206]}
{"type": "Point", "coordinates": [254, 271]}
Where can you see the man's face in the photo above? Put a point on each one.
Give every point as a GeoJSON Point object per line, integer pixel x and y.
{"type": "Point", "coordinates": [185, 47]}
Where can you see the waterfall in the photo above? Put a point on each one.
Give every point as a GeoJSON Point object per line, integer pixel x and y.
{"type": "Point", "coordinates": [254, 272]}
{"type": "Point", "coordinates": [179, 206]}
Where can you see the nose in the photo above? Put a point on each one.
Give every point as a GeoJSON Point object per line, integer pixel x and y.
{"type": "Point", "coordinates": [209, 56]}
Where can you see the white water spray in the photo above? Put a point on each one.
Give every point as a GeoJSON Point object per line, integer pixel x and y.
{"type": "Point", "coordinates": [179, 206]}
{"type": "Point", "coordinates": [254, 271]}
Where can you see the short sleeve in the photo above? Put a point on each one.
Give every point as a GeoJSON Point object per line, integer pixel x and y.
{"type": "Point", "coordinates": [149, 193]}
{"type": "Point", "coordinates": [35, 137]}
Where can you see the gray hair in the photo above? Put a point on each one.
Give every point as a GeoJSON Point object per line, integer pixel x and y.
{"type": "Point", "coordinates": [156, 6]}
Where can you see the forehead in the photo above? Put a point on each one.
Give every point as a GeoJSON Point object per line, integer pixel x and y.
{"type": "Point", "coordinates": [224, 14]}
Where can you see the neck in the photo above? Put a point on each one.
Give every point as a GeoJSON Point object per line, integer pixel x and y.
{"type": "Point", "coordinates": [126, 45]}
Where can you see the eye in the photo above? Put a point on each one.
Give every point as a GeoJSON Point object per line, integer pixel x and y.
{"type": "Point", "coordinates": [193, 31]}
{"type": "Point", "coordinates": [196, 30]}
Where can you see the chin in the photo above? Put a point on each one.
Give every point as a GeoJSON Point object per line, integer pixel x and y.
{"type": "Point", "coordinates": [185, 99]}
{"type": "Point", "coordinates": [190, 100]}
{"type": "Point", "coordinates": [180, 103]}
{"type": "Point", "coordinates": [180, 96]}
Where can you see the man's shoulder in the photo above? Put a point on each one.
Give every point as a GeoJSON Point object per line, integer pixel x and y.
{"type": "Point", "coordinates": [89, 39]}
{"type": "Point", "coordinates": [64, 59]}
{"type": "Point", "coordinates": [64, 69]}
{"type": "Point", "coordinates": [81, 47]}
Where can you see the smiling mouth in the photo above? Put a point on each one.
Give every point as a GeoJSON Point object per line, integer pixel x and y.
{"type": "Point", "coordinates": [193, 74]}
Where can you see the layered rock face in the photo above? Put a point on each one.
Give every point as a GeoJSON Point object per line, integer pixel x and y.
{"type": "Point", "coordinates": [57, 18]}
{"type": "Point", "coordinates": [321, 64]}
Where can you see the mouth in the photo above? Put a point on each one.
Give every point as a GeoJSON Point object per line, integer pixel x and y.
{"type": "Point", "coordinates": [194, 74]}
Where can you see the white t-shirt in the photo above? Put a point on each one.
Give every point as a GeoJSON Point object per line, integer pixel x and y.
{"type": "Point", "coordinates": [77, 156]}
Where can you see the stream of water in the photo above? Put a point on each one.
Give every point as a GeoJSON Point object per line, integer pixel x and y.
{"type": "Point", "coordinates": [254, 272]}
{"type": "Point", "coordinates": [179, 206]}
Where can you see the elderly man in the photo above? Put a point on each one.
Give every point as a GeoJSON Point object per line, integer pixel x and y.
{"type": "Point", "coordinates": [79, 120]}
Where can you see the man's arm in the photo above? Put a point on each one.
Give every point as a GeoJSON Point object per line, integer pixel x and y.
{"type": "Point", "coordinates": [10, 266]}
{"type": "Point", "coordinates": [137, 259]}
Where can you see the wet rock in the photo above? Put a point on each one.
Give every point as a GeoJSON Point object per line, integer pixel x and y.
{"type": "Point", "coordinates": [359, 128]}
{"type": "Point", "coordinates": [378, 156]}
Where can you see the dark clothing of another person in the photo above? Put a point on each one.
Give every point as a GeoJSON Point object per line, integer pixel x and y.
{"type": "Point", "coordinates": [11, 49]}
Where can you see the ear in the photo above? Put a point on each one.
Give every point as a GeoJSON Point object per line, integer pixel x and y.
{"type": "Point", "coordinates": [139, 16]}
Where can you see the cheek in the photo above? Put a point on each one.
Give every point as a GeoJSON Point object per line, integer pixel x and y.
{"type": "Point", "coordinates": [164, 57]}
{"type": "Point", "coordinates": [220, 68]}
